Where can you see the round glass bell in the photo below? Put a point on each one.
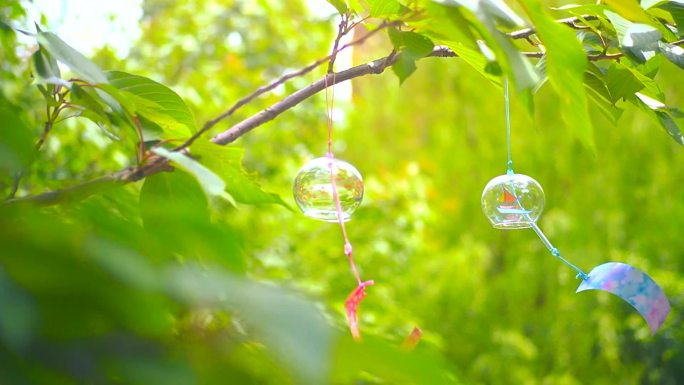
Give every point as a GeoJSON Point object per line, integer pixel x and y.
{"type": "Point", "coordinates": [313, 189]}
{"type": "Point", "coordinates": [512, 201]}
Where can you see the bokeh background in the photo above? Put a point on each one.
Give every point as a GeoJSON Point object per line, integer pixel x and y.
{"type": "Point", "coordinates": [493, 304]}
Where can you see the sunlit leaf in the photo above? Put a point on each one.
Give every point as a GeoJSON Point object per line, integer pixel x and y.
{"type": "Point", "coordinates": [78, 63]}
{"type": "Point", "coordinates": [673, 53]}
{"type": "Point", "coordinates": [227, 163]}
{"type": "Point", "coordinates": [211, 183]}
{"type": "Point", "coordinates": [664, 115]}
{"type": "Point", "coordinates": [45, 65]}
{"type": "Point", "coordinates": [639, 40]}
{"type": "Point", "coordinates": [384, 8]}
{"type": "Point", "coordinates": [340, 5]}
{"type": "Point", "coordinates": [566, 63]}
{"type": "Point", "coordinates": [157, 103]}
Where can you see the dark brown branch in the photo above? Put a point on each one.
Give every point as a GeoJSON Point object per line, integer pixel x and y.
{"type": "Point", "coordinates": [521, 34]}
{"type": "Point", "coordinates": [85, 189]}
{"type": "Point", "coordinates": [372, 68]}
{"type": "Point", "coordinates": [262, 90]}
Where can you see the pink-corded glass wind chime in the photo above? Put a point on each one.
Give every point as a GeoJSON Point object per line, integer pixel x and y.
{"type": "Point", "coordinates": [515, 201]}
{"type": "Point", "coordinates": [330, 190]}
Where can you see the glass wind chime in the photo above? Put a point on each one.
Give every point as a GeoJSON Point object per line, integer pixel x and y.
{"type": "Point", "coordinates": [329, 189]}
{"type": "Point", "coordinates": [515, 201]}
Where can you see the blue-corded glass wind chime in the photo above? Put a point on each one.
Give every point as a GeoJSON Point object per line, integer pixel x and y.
{"type": "Point", "coordinates": [515, 201]}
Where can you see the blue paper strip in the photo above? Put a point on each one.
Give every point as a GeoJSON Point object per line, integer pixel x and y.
{"type": "Point", "coordinates": [633, 286]}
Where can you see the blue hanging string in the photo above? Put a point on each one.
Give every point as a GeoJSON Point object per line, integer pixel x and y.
{"type": "Point", "coordinates": [554, 251]}
{"type": "Point", "coordinates": [509, 171]}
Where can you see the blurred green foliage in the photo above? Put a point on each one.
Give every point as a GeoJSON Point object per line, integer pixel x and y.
{"type": "Point", "coordinates": [156, 282]}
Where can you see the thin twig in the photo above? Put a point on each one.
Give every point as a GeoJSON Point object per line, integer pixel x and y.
{"type": "Point", "coordinates": [263, 89]}
{"type": "Point", "coordinates": [375, 67]}
{"type": "Point", "coordinates": [341, 31]}
{"type": "Point", "coordinates": [619, 55]}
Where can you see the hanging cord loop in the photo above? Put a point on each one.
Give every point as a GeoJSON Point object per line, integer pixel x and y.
{"type": "Point", "coordinates": [329, 103]}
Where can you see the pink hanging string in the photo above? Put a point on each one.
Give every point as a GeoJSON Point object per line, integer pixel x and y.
{"type": "Point", "coordinates": [356, 296]}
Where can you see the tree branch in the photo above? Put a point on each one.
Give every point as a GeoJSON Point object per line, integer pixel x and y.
{"type": "Point", "coordinates": [571, 22]}
{"type": "Point", "coordinates": [373, 68]}
{"type": "Point", "coordinates": [155, 165]}
{"type": "Point", "coordinates": [263, 89]}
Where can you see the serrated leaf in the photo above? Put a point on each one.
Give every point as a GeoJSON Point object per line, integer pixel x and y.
{"type": "Point", "coordinates": [157, 103]}
{"type": "Point", "coordinates": [227, 163]}
{"type": "Point", "coordinates": [639, 40]}
{"type": "Point", "coordinates": [673, 53]}
{"type": "Point", "coordinates": [211, 183]}
{"type": "Point", "coordinates": [566, 63]}
{"type": "Point", "coordinates": [78, 63]}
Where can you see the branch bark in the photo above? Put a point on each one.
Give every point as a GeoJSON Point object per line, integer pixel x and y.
{"type": "Point", "coordinates": [373, 68]}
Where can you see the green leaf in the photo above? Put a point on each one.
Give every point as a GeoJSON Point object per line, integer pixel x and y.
{"type": "Point", "coordinates": [621, 82]}
{"type": "Point", "coordinates": [227, 163]}
{"type": "Point", "coordinates": [45, 65]}
{"type": "Point", "coordinates": [157, 103]}
{"type": "Point", "coordinates": [566, 63]}
{"type": "Point", "coordinates": [662, 114]}
{"type": "Point", "coordinates": [629, 9]}
{"type": "Point", "coordinates": [211, 183]}
{"type": "Point", "coordinates": [482, 16]}
{"type": "Point", "coordinates": [17, 150]}
{"type": "Point", "coordinates": [404, 66]}
{"type": "Point", "coordinates": [646, 4]}
{"type": "Point", "coordinates": [416, 44]}
{"type": "Point", "coordinates": [502, 12]}
{"type": "Point", "coordinates": [300, 339]}
{"type": "Point", "coordinates": [639, 40]}
{"type": "Point", "coordinates": [339, 5]}
{"type": "Point", "coordinates": [676, 9]}
{"type": "Point", "coordinates": [673, 53]}
{"type": "Point", "coordinates": [78, 63]}
{"type": "Point", "coordinates": [19, 316]}
{"type": "Point", "coordinates": [384, 8]}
